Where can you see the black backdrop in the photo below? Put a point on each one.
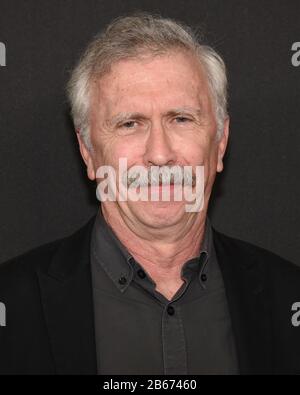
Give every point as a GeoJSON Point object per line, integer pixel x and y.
{"type": "Point", "coordinates": [44, 191]}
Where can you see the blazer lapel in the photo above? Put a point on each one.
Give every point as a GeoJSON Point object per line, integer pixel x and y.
{"type": "Point", "coordinates": [248, 304]}
{"type": "Point", "coordinates": [66, 291]}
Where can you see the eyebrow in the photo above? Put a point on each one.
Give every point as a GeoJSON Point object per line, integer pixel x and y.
{"type": "Point", "coordinates": [124, 116]}
{"type": "Point", "coordinates": [179, 110]}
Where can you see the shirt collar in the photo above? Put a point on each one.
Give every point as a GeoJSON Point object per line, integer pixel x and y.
{"type": "Point", "coordinates": [108, 251]}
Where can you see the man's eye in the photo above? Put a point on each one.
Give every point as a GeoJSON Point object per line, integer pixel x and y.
{"type": "Point", "coordinates": [128, 124]}
{"type": "Point", "coordinates": [182, 119]}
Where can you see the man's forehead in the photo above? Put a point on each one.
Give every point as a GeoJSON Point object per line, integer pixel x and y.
{"type": "Point", "coordinates": [169, 69]}
{"type": "Point", "coordinates": [115, 108]}
{"type": "Point", "coordinates": [144, 88]}
{"type": "Point", "coordinates": [151, 93]}
{"type": "Point", "coordinates": [146, 107]}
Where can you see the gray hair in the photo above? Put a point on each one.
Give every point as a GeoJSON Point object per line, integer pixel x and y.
{"type": "Point", "coordinates": [130, 37]}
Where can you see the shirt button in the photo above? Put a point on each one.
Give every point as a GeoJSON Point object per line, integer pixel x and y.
{"type": "Point", "coordinates": [170, 310]}
{"type": "Point", "coordinates": [122, 280]}
{"type": "Point", "coordinates": [203, 277]}
{"type": "Point", "coordinates": [141, 273]}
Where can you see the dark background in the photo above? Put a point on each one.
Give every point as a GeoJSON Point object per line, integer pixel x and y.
{"type": "Point", "coordinates": [44, 191]}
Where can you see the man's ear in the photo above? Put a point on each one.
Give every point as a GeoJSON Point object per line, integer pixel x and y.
{"type": "Point", "coordinates": [86, 156]}
{"type": "Point", "coordinates": [222, 144]}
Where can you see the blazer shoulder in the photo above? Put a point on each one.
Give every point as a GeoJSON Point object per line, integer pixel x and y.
{"type": "Point", "coordinates": [27, 261]}
{"type": "Point", "coordinates": [25, 264]}
{"type": "Point", "coordinates": [248, 253]}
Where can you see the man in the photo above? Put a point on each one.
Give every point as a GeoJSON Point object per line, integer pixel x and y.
{"type": "Point", "coordinates": [148, 286]}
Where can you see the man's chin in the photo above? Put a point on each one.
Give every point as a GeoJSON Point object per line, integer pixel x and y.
{"type": "Point", "coordinates": [158, 213]}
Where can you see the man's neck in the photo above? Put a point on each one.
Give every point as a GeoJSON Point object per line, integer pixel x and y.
{"type": "Point", "coordinates": [161, 257]}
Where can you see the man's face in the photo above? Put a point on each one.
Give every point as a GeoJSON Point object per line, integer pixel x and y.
{"type": "Point", "coordinates": [155, 111]}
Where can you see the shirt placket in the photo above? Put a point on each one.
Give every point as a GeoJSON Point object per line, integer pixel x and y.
{"type": "Point", "coordinates": [173, 339]}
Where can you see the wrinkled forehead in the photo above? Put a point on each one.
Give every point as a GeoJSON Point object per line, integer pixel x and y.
{"type": "Point", "coordinates": [175, 79]}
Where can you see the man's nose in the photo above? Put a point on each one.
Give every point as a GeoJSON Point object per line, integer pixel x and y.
{"type": "Point", "coordinates": [159, 149]}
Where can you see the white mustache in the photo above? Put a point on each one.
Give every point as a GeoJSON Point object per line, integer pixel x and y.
{"type": "Point", "coordinates": [156, 175]}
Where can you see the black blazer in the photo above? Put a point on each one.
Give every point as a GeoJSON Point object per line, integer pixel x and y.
{"type": "Point", "coordinates": [49, 308]}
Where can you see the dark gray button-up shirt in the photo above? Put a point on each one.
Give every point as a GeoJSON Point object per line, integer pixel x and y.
{"type": "Point", "coordinates": [139, 331]}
